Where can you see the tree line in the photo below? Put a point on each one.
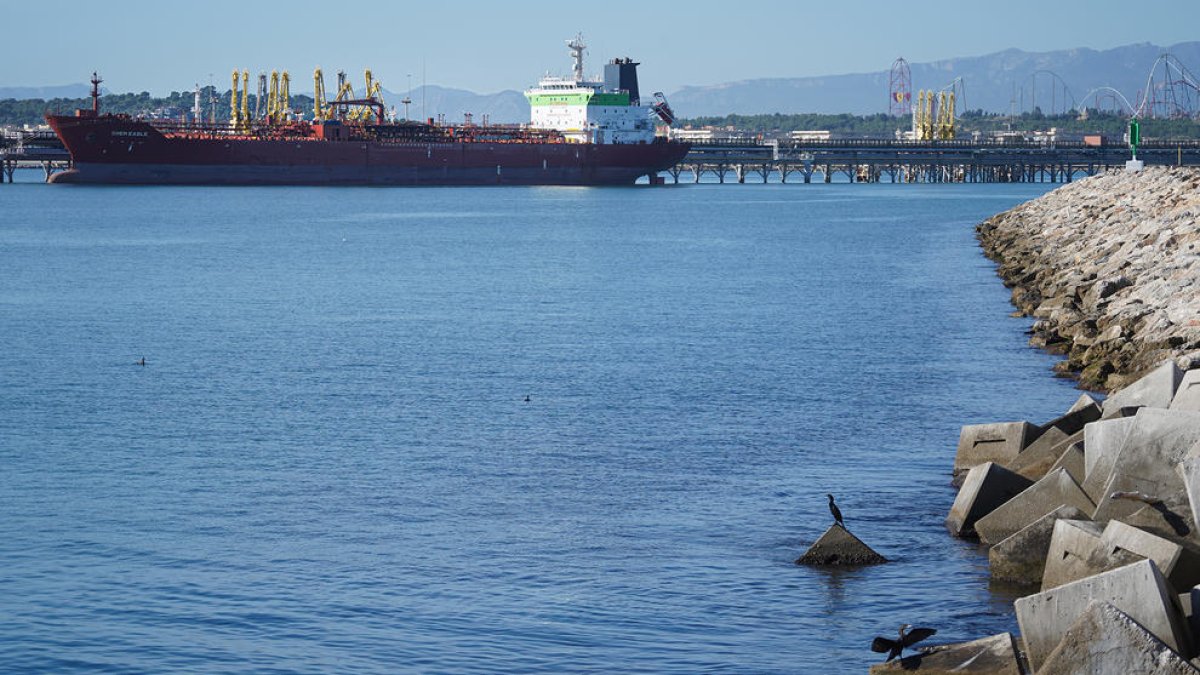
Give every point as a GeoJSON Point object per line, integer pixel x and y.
{"type": "Point", "coordinates": [18, 112]}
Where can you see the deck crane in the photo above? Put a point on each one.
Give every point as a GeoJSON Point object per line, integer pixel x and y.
{"type": "Point", "coordinates": [234, 120]}
{"type": "Point", "coordinates": [273, 99]}
{"type": "Point", "coordinates": [285, 97]}
{"type": "Point", "coordinates": [260, 101]}
{"type": "Point", "coordinates": [345, 93]}
{"type": "Point", "coordinates": [320, 109]}
{"type": "Point", "coordinates": [244, 117]}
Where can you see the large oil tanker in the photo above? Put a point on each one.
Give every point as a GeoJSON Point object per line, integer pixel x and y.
{"type": "Point", "coordinates": [580, 133]}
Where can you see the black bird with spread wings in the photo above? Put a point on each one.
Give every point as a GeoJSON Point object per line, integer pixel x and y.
{"type": "Point", "coordinates": [907, 639]}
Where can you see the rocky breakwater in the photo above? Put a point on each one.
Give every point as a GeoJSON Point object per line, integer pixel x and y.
{"type": "Point", "coordinates": [1110, 269]}
{"type": "Point", "coordinates": [1094, 514]}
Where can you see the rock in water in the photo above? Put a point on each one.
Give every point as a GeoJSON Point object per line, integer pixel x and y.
{"type": "Point", "coordinates": [838, 547]}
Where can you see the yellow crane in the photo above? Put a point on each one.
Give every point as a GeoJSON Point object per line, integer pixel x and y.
{"type": "Point", "coordinates": [244, 118]}
{"type": "Point", "coordinates": [285, 97]}
{"type": "Point", "coordinates": [273, 98]}
{"type": "Point", "coordinates": [946, 121]}
{"type": "Point", "coordinates": [319, 104]}
{"type": "Point", "coordinates": [234, 115]}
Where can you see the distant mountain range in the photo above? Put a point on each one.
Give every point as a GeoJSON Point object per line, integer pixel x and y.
{"type": "Point", "coordinates": [60, 91]}
{"type": "Point", "coordinates": [991, 82]}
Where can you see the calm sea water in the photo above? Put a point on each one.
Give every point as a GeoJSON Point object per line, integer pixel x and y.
{"type": "Point", "coordinates": [328, 462]}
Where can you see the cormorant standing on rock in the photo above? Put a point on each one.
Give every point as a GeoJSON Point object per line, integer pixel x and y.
{"type": "Point", "coordinates": [894, 647]}
{"type": "Point", "coordinates": [837, 513]}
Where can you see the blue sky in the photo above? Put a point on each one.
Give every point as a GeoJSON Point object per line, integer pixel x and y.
{"type": "Point", "coordinates": [490, 46]}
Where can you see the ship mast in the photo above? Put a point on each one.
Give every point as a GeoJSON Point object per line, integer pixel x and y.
{"type": "Point", "coordinates": [577, 46]}
{"type": "Point", "coordinates": [96, 93]}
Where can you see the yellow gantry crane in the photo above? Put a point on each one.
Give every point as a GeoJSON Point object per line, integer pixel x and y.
{"type": "Point", "coordinates": [934, 115]}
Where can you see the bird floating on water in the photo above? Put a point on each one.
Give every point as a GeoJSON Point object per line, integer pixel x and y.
{"type": "Point", "coordinates": [527, 398]}
{"type": "Point", "coordinates": [141, 362]}
{"type": "Point", "coordinates": [837, 513]}
{"type": "Point", "coordinates": [906, 639]}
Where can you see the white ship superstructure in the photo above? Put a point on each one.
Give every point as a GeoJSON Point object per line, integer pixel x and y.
{"type": "Point", "coordinates": [607, 112]}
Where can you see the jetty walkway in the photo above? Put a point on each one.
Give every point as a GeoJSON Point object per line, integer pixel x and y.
{"type": "Point", "coordinates": [893, 161]}
{"type": "Point", "coordinates": [31, 150]}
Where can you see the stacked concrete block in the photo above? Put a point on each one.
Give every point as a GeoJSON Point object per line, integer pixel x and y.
{"type": "Point", "coordinates": [1021, 558]}
{"type": "Point", "coordinates": [1106, 641]}
{"type": "Point", "coordinates": [1054, 490]}
{"type": "Point", "coordinates": [1035, 461]}
{"type": "Point", "coordinates": [1189, 473]}
{"type": "Point", "coordinates": [1187, 396]}
{"type": "Point", "coordinates": [1156, 389]}
{"type": "Point", "coordinates": [1102, 442]}
{"type": "Point", "coordinates": [998, 442]}
{"type": "Point", "coordinates": [1158, 441]}
{"type": "Point", "coordinates": [1179, 565]}
{"type": "Point", "coordinates": [1073, 461]}
{"type": "Point", "coordinates": [1078, 551]}
{"type": "Point", "coordinates": [1139, 590]}
{"type": "Point", "coordinates": [1170, 519]}
{"type": "Point", "coordinates": [987, 486]}
{"type": "Point", "coordinates": [1080, 414]}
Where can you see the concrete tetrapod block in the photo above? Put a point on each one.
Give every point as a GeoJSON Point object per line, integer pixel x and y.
{"type": "Point", "coordinates": [1072, 460]}
{"type": "Point", "coordinates": [1021, 558]}
{"type": "Point", "coordinates": [1158, 441]}
{"type": "Point", "coordinates": [1155, 389]}
{"type": "Point", "coordinates": [1074, 420]}
{"type": "Point", "coordinates": [1138, 590]}
{"type": "Point", "coordinates": [1077, 551]}
{"type": "Point", "coordinates": [1102, 442]}
{"type": "Point", "coordinates": [1177, 564]}
{"type": "Point", "coordinates": [1189, 472]}
{"type": "Point", "coordinates": [995, 655]}
{"type": "Point", "coordinates": [838, 547]}
{"type": "Point", "coordinates": [1170, 519]}
{"type": "Point", "coordinates": [986, 487]}
{"type": "Point", "coordinates": [1083, 401]}
{"type": "Point", "coordinates": [1055, 490]}
{"type": "Point", "coordinates": [1035, 460]}
{"type": "Point", "coordinates": [1106, 641]}
{"type": "Point", "coordinates": [1187, 396]}
{"type": "Point", "coordinates": [1000, 442]}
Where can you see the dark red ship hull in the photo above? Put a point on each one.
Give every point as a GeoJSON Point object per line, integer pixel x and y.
{"type": "Point", "coordinates": [114, 149]}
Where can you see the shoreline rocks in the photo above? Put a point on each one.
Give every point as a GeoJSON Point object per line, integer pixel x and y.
{"type": "Point", "coordinates": [1110, 269]}
{"type": "Point", "coordinates": [1100, 527]}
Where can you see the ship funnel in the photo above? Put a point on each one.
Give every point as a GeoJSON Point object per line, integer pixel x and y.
{"type": "Point", "coordinates": [621, 75]}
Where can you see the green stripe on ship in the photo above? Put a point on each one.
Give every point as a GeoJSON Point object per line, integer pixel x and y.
{"type": "Point", "coordinates": [620, 99]}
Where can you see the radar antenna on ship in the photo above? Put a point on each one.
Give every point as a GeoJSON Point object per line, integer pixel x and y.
{"type": "Point", "coordinates": [577, 46]}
